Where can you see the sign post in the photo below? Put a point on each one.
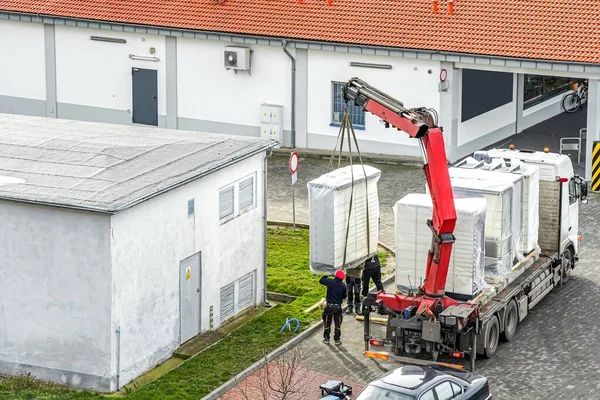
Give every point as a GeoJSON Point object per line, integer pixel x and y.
{"type": "Point", "coordinates": [294, 171]}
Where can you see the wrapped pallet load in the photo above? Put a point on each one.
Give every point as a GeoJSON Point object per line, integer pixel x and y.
{"type": "Point", "coordinates": [493, 175]}
{"type": "Point", "coordinates": [344, 216]}
{"type": "Point", "coordinates": [413, 240]}
{"type": "Point", "coordinates": [499, 245]}
{"type": "Point", "coordinates": [530, 197]}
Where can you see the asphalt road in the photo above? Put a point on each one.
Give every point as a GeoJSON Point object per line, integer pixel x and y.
{"type": "Point", "coordinates": [556, 353]}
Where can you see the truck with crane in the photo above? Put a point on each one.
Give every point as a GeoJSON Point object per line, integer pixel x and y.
{"type": "Point", "coordinates": [430, 322]}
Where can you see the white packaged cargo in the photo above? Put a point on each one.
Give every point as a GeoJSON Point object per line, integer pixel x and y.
{"type": "Point", "coordinates": [531, 183]}
{"type": "Point", "coordinates": [517, 202]}
{"type": "Point", "coordinates": [531, 205]}
{"type": "Point", "coordinates": [329, 208]}
{"type": "Point", "coordinates": [499, 249]}
{"type": "Point", "coordinates": [413, 240]}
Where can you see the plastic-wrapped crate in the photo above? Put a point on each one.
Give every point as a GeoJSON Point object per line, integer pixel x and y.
{"type": "Point", "coordinates": [531, 203]}
{"type": "Point", "coordinates": [413, 240]}
{"type": "Point", "coordinates": [499, 245]}
{"type": "Point", "coordinates": [329, 207]}
{"type": "Point", "coordinates": [517, 180]}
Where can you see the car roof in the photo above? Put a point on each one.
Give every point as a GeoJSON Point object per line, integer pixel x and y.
{"type": "Point", "coordinates": [411, 378]}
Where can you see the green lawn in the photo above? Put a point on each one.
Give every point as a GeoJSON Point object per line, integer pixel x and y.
{"type": "Point", "coordinates": [288, 272]}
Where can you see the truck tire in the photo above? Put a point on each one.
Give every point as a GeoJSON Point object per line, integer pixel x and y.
{"type": "Point", "coordinates": [567, 265]}
{"type": "Point", "coordinates": [492, 334]}
{"type": "Point", "coordinates": [511, 319]}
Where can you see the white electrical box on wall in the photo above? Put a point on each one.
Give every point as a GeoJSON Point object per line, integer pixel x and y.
{"type": "Point", "coordinates": [271, 122]}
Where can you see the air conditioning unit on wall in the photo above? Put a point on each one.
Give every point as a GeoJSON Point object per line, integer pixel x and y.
{"type": "Point", "coordinates": [238, 58]}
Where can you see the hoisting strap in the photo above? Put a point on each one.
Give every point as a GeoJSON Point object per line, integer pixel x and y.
{"type": "Point", "coordinates": [347, 129]}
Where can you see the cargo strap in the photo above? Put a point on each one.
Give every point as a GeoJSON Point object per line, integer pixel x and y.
{"type": "Point", "coordinates": [347, 129]}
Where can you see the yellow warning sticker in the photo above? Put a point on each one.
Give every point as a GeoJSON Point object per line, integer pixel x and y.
{"type": "Point", "coordinates": [188, 273]}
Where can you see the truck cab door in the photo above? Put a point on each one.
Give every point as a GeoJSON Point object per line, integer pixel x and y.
{"type": "Point", "coordinates": [572, 221]}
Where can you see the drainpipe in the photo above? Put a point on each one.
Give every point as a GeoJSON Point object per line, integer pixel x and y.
{"type": "Point", "coordinates": [284, 43]}
{"type": "Point", "coordinates": [267, 155]}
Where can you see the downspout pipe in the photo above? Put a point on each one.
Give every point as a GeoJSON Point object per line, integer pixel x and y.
{"type": "Point", "coordinates": [293, 139]}
{"type": "Point", "coordinates": [265, 164]}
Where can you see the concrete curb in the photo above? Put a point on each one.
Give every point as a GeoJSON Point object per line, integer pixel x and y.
{"type": "Point", "coordinates": [370, 158]}
{"type": "Point", "coordinates": [283, 223]}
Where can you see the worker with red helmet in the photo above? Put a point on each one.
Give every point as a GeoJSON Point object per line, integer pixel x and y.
{"type": "Point", "coordinates": [336, 294]}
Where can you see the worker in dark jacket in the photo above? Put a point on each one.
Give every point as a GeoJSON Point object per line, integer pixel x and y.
{"type": "Point", "coordinates": [372, 270]}
{"type": "Point", "coordinates": [336, 294]}
{"type": "Point", "coordinates": [353, 279]}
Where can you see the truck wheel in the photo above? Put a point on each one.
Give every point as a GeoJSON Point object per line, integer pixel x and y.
{"type": "Point", "coordinates": [492, 334]}
{"type": "Point", "coordinates": [511, 319]}
{"type": "Point", "coordinates": [567, 265]}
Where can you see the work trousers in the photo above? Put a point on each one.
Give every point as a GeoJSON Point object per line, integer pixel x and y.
{"type": "Point", "coordinates": [368, 274]}
{"type": "Point", "coordinates": [332, 312]}
{"type": "Point", "coordinates": [353, 285]}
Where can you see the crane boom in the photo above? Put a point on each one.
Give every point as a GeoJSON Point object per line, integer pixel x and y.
{"type": "Point", "coordinates": [420, 124]}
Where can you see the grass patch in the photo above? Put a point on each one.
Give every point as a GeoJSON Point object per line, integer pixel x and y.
{"type": "Point", "coordinates": [26, 387]}
{"type": "Point", "coordinates": [288, 260]}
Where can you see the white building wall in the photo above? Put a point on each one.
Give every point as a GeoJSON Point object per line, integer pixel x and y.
{"type": "Point", "coordinates": [55, 286]}
{"type": "Point", "coordinates": [207, 92]}
{"type": "Point", "coordinates": [148, 243]}
{"type": "Point", "coordinates": [409, 81]}
{"type": "Point", "coordinates": [500, 120]}
{"type": "Point", "coordinates": [93, 78]}
{"type": "Point", "coordinates": [22, 61]}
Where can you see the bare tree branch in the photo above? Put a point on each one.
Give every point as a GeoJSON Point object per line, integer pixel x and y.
{"type": "Point", "coordinates": [286, 378]}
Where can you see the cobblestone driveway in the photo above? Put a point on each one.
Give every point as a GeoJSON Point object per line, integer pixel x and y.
{"type": "Point", "coordinates": [556, 354]}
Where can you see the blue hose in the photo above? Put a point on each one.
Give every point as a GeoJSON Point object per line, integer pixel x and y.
{"type": "Point", "coordinates": [287, 324]}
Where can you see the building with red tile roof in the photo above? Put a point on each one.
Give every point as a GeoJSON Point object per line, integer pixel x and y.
{"type": "Point", "coordinates": [507, 64]}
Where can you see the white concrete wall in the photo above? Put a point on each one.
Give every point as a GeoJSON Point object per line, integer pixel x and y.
{"type": "Point", "coordinates": [409, 81]}
{"type": "Point", "coordinates": [148, 242]}
{"type": "Point", "coordinates": [22, 60]}
{"type": "Point", "coordinates": [500, 119]}
{"type": "Point", "coordinates": [543, 111]}
{"type": "Point", "coordinates": [207, 91]}
{"type": "Point", "coordinates": [55, 294]}
{"type": "Point", "coordinates": [98, 74]}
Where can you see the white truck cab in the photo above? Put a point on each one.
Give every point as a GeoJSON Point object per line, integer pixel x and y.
{"type": "Point", "coordinates": [561, 190]}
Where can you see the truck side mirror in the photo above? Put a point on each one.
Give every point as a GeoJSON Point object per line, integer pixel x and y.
{"type": "Point", "coordinates": [583, 189]}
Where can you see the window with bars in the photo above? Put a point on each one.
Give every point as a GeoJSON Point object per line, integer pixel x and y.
{"type": "Point", "coordinates": [246, 194]}
{"type": "Point", "coordinates": [357, 115]}
{"type": "Point", "coordinates": [237, 198]}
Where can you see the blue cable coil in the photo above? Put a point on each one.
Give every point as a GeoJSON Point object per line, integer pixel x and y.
{"type": "Point", "coordinates": [287, 324]}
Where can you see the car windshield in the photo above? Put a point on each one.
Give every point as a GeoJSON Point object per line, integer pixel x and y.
{"type": "Point", "coordinates": [376, 393]}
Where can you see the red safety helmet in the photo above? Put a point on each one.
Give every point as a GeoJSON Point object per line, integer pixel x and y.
{"type": "Point", "coordinates": [340, 274]}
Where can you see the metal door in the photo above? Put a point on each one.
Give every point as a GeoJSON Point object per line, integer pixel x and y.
{"type": "Point", "coordinates": [189, 296]}
{"type": "Point", "coordinates": [145, 96]}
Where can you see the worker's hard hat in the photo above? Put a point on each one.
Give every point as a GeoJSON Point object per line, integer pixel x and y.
{"type": "Point", "coordinates": [340, 274]}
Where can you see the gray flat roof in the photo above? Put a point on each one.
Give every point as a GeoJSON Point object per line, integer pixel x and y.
{"type": "Point", "coordinates": [107, 167]}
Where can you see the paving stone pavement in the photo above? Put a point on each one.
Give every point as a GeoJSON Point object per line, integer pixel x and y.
{"type": "Point", "coordinates": [556, 353]}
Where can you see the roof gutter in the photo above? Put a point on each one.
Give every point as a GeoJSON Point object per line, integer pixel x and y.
{"type": "Point", "coordinates": [141, 199]}
{"type": "Point", "coordinates": [300, 40]}
{"type": "Point", "coordinates": [293, 103]}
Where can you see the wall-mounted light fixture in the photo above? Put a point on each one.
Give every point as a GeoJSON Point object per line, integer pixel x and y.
{"type": "Point", "coordinates": [143, 58]}
{"type": "Point", "coordinates": [107, 39]}
{"type": "Point", "coordinates": [369, 65]}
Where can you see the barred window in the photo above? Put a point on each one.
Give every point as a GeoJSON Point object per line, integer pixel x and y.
{"type": "Point", "coordinates": [357, 115]}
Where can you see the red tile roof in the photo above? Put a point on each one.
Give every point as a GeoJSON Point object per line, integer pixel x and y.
{"type": "Point", "coordinates": [560, 30]}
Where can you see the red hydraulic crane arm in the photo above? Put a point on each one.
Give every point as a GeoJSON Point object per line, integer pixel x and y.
{"type": "Point", "coordinates": [420, 124]}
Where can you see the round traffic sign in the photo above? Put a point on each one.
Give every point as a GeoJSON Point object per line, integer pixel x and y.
{"type": "Point", "coordinates": [294, 162]}
{"type": "Point", "coordinates": [443, 75]}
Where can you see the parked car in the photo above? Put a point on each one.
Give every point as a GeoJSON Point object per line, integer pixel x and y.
{"type": "Point", "coordinates": [431, 382]}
